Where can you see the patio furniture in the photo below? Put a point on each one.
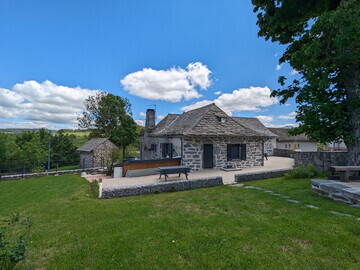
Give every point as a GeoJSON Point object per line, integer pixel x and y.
{"type": "Point", "coordinates": [344, 171]}
{"type": "Point", "coordinates": [173, 169]}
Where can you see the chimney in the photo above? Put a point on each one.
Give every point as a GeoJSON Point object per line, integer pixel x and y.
{"type": "Point", "coordinates": [150, 120]}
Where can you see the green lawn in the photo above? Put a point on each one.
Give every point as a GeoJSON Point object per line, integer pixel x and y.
{"type": "Point", "coordinates": [222, 227]}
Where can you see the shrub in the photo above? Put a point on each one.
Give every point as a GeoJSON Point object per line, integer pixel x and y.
{"type": "Point", "coordinates": [13, 244]}
{"type": "Point", "coordinates": [309, 171]}
{"type": "Point", "coordinates": [94, 189]}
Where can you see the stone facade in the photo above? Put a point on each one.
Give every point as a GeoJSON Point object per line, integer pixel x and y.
{"type": "Point", "coordinates": [269, 146]}
{"type": "Point", "coordinates": [246, 177]}
{"type": "Point", "coordinates": [160, 187]}
{"type": "Point", "coordinates": [193, 152]}
{"type": "Point", "coordinates": [322, 160]}
{"type": "Point", "coordinates": [95, 157]}
{"type": "Point", "coordinates": [151, 147]}
{"type": "Point", "coordinates": [281, 152]}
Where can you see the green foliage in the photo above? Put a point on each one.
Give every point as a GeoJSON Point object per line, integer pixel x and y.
{"type": "Point", "coordinates": [111, 157]}
{"type": "Point", "coordinates": [323, 40]}
{"type": "Point", "coordinates": [94, 189]}
{"type": "Point", "coordinates": [300, 172]}
{"type": "Point", "coordinates": [111, 115]}
{"type": "Point", "coordinates": [212, 228]}
{"type": "Point", "coordinates": [13, 243]}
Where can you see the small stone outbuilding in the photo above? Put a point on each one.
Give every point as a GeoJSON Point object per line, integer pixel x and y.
{"type": "Point", "coordinates": [204, 138]}
{"type": "Point", "coordinates": [94, 152]}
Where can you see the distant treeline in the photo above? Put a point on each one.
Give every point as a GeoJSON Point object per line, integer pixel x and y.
{"type": "Point", "coordinates": [31, 148]}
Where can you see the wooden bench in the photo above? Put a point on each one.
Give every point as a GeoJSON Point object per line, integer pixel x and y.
{"type": "Point", "coordinates": [173, 169]}
{"type": "Point", "coordinates": [344, 171]}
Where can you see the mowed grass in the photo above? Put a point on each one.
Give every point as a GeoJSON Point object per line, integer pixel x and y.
{"type": "Point", "coordinates": [213, 228]}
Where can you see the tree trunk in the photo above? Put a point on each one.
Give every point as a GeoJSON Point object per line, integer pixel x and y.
{"type": "Point", "coordinates": [352, 86]}
{"type": "Point", "coordinates": [123, 149]}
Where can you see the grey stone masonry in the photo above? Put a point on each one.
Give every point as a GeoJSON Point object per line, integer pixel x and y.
{"type": "Point", "coordinates": [193, 152]}
{"type": "Point", "coordinates": [281, 152]}
{"type": "Point", "coordinates": [337, 191]}
{"type": "Point", "coordinates": [180, 185]}
{"type": "Point", "coordinates": [246, 177]}
{"type": "Point", "coordinates": [322, 160]}
{"type": "Point", "coordinates": [151, 147]}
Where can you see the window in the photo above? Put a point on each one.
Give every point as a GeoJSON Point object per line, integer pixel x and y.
{"type": "Point", "coordinates": [236, 151]}
{"type": "Point", "coordinates": [222, 119]}
{"type": "Point", "coordinates": [285, 145]}
{"type": "Point", "coordinates": [166, 150]}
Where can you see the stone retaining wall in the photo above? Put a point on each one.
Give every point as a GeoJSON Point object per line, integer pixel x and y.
{"type": "Point", "coordinates": [337, 192]}
{"type": "Point", "coordinates": [246, 177]}
{"type": "Point", "coordinates": [281, 152]}
{"type": "Point", "coordinates": [28, 175]}
{"type": "Point", "coordinates": [322, 160]}
{"type": "Point", "coordinates": [180, 185]}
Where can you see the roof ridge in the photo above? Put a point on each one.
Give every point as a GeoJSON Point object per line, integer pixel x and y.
{"type": "Point", "coordinates": [207, 110]}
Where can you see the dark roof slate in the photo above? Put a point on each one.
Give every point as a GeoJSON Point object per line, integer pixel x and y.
{"type": "Point", "coordinates": [203, 122]}
{"type": "Point", "coordinates": [284, 137]}
{"type": "Point", "coordinates": [254, 124]}
{"type": "Point", "coordinates": [91, 145]}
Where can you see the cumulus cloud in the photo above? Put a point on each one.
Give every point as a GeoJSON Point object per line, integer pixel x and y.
{"type": "Point", "coordinates": [160, 117]}
{"type": "Point", "coordinates": [243, 99]}
{"type": "Point", "coordinates": [172, 85]}
{"type": "Point", "coordinates": [289, 125]}
{"type": "Point", "coordinates": [265, 118]}
{"type": "Point", "coordinates": [28, 124]}
{"type": "Point", "coordinates": [43, 102]}
{"type": "Point", "coordinates": [294, 72]}
{"type": "Point", "coordinates": [278, 67]}
{"type": "Point", "coordinates": [291, 115]}
{"type": "Point", "coordinates": [217, 93]}
{"type": "Point", "coordinates": [142, 114]}
{"type": "Point", "coordinates": [140, 122]}
{"type": "Point", "coordinates": [287, 104]}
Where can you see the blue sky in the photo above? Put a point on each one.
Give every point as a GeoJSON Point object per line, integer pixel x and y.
{"type": "Point", "coordinates": [169, 53]}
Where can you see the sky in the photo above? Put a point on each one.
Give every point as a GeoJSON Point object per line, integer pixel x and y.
{"type": "Point", "coordinates": [170, 54]}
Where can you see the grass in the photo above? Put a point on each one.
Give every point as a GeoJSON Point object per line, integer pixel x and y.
{"type": "Point", "coordinates": [63, 168]}
{"type": "Point", "coordinates": [222, 227]}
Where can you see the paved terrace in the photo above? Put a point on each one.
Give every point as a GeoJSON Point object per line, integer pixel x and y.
{"type": "Point", "coordinates": [274, 163]}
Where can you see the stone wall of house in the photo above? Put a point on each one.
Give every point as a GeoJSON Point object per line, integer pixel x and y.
{"type": "Point", "coordinates": [269, 146]}
{"type": "Point", "coordinates": [160, 187]}
{"type": "Point", "coordinates": [147, 152]}
{"type": "Point", "coordinates": [193, 152]}
{"type": "Point", "coordinates": [86, 160]}
{"type": "Point", "coordinates": [101, 152]}
{"type": "Point", "coordinates": [322, 159]}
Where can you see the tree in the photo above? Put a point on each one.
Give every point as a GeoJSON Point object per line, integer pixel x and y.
{"type": "Point", "coordinates": [111, 115]}
{"type": "Point", "coordinates": [323, 39]}
{"type": "Point", "coordinates": [63, 150]}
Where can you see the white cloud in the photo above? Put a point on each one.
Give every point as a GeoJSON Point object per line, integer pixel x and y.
{"type": "Point", "coordinates": [276, 54]}
{"type": "Point", "coordinates": [243, 99]}
{"type": "Point", "coordinates": [291, 115]}
{"type": "Point", "coordinates": [140, 122]}
{"type": "Point", "coordinates": [294, 72]}
{"type": "Point", "coordinates": [287, 104]}
{"type": "Point", "coordinates": [278, 67]}
{"type": "Point", "coordinates": [265, 118]}
{"type": "Point", "coordinates": [218, 93]}
{"type": "Point", "coordinates": [142, 114]}
{"type": "Point", "coordinates": [160, 117]}
{"type": "Point", "coordinates": [44, 102]}
{"type": "Point", "coordinates": [289, 125]}
{"type": "Point", "coordinates": [28, 124]}
{"type": "Point", "coordinates": [172, 85]}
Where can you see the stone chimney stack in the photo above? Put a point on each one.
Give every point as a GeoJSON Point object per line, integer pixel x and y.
{"type": "Point", "coordinates": [150, 120]}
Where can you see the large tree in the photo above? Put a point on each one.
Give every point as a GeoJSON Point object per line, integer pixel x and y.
{"type": "Point", "coordinates": [111, 116]}
{"type": "Point", "coordinates": [323, 45]}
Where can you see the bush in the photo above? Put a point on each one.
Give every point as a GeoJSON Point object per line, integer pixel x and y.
{"type": "Point", "coordinates": [300, 172]}
{"type": "Point", "coordinates": [13, 244]}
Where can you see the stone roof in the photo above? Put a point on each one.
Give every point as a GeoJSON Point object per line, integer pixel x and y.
{"type": "Point", "coordinates": [91, 145]}
{"type": "Point", "coordinates": [284, 137]}
{"type": "Point", "coordinates": [203, 122]}
{"type": "Point", "coordinates": [254, 124]}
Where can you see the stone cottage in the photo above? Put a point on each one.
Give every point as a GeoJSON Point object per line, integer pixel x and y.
{"type": "Point", "coordinates": [204, 138]}
{"type": "Point", "coordinates": [93, 153]}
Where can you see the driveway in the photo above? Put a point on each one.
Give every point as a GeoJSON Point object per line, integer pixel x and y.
{"type": "Point", "coordinates": [273, 163]}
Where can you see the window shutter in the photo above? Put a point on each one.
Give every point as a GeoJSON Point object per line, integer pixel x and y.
{"type": "Point", "coordinates": [228, 152]}
{"type": "Point", "coordinates": [162, 149]}
{"type": "Point", "coordinates": [170, 149]}
{"type": "Point", "coordinates": [243, 151]}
